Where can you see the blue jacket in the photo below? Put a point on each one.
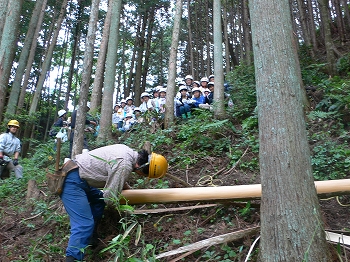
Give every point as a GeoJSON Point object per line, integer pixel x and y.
{"type": "Point", "coordinates": [198, 101]}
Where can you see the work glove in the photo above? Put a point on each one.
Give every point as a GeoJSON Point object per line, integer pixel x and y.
{"type": "Point", "coordinates": [2, 161]}
{"type": "Point", "coordinates": [15, 162]}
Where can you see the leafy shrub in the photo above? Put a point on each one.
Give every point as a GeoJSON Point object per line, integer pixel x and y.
{"type": "Point", "coordinates": [330, 160]}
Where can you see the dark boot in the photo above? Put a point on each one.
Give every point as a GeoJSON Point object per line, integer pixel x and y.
{"type": "Point", "coordinates": [70, 259]}
{"type": "Point", "coordinates": [95, 236]}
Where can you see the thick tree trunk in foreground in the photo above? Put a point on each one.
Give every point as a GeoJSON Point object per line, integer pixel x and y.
{"type": "Point", "coordinates": [291, 225]}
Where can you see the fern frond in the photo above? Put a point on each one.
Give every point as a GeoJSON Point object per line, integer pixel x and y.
{"type": "Point", "coordinates": [320, 114]}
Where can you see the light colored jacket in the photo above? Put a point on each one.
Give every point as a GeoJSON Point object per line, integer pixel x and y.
{"type": "Point", "coordinates": [107, 167]}
{"type": "Point", "coordinates": [9, 144]}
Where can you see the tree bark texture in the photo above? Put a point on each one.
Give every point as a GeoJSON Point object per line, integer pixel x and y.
{"type": "Point", "coordinates": [291, 225]}
{"type": "Point", "coordinates": [246, 33]}
{"type": "Point", "coordinates": [140, 47]}
{"type": "Point", "coordinates": [328, 41]}
{"type": "Point", "coordinates": [101, 61]}
{"type": "Point", "coordinates": [30, 62]}
{"type": "Point", "coordinates": [23, 59]}
{"type": "Point", "coordinates": [75, 47]}
{"type": "Point", "coordinates": [111, 61]}
{"type": "Point", "coordinates": [47, 60]}
{"type": "Point", "coordinates": [3, 10]}
{"type": "Point", "coordinates": [219, 106]}
{"type": "Point", "coordinates": [171, 85]}
{"type": "Point", "coordinates": [150, 27]}
{"type": "Point", "coordinates": [7, 48]}
{"type": "Point", "coordinates": [78, 141]}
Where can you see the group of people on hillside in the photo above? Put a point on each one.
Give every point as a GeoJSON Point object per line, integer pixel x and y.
{"type": "Point", "coordinates": [191, 94]}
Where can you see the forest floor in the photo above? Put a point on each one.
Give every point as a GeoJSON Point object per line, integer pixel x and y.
{"type": "Point", "coordinates": [24, 233]}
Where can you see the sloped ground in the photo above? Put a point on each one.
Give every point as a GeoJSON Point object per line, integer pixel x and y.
{"type": "Point", "coordinates": [28, 236]}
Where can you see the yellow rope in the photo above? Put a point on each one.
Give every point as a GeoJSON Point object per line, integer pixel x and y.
{"type": "Point", "coordinates": [208, 181]}
{"type": "Point", "coordinates": [337, 198]}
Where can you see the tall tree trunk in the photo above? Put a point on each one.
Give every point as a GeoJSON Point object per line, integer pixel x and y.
{"type": "Point", "coordinates": [311, 25]}
{"type": "Point", "coordinates": [3, 11]}
{"type": "Point", "coordinates": [287, 220]}
{"type": "Point", "coordinates": [48, 58]}
{"type": "Point", "coordinates": [75, 48]}
{"type": "Point", "coordinates": [111, 61]}
{"type": "Point", "coordinates": [131, 74]}
{"type": "Point", "coordinates": [190, 40]}
{"type": "Point", "coordinates": [171, 85]}
{"type": "Point", "coordinates": [326, 25]}
{"type": "Point", "coordinates": [304, 26]}
{"type": "Point", "coordinates": [30, 61]}
{"type": "Point", "coordinates": [246, 33]}
{"type": "Point", "coordinates": [8, 47]}
{"type": "Point", "coordinates": [219, 108]}
{"type": "Point", "coordinates": [101, 61]}
{"type": "Point", "coordinates": [339, 20]}
{"type": "Point", "coordinates": [44, 70]}
{"type": "Point", "coordinates": [345, 8]}
{"type": "Point", "coordinates": [227, 52]}
{"type": "Point", "coordinates": [140, 45]}
{"type": "Point", "coordinates": [23, 59]}
{"type": "Point", "coordinates": [148, 47]}
{"type": "Point", "coordinates": [78, 141]}
{"type": "Point", "coordinates": [207, 42]}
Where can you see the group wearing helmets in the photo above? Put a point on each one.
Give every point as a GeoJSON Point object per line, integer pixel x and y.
{"type": "Point", "coordinates": [109, 168]}
{"type": "Point", "coordinates": [155, 99]}
{"type": "Point", "coordinates": [10, 148]}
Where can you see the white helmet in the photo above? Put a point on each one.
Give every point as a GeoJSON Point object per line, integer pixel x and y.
{"type": "Point", "coordinates": [137, 109]}
{"type": "Point", "coordinates": [205, 79]}
{"type": "Point", "coordinates": [128, 98]}
{"type": "Point", "coordinates": [211, 76]}
{"type": "Point", "coordinates": [129, 115]}
{"type": "Point", "coordinates": [211, 84]}
{"type": "Point", "coordinates": [196, 89]}
{"type": "Point", "coordinates": [182, 88]}
{"type": "Point", "coordinates": [123, 101]}
{"type": "Point", "coordinates": [144, 94]}
{"type": "Point", "coordinates": [189, 77]}
{"type": "Point", "coordinates": [163, 89]}
{"type": "Point", "coordinates": [157, 88]}
{"type": "Point", "coordinates": [61, 112]}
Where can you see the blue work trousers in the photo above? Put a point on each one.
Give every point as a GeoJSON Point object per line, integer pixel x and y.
{"type": "Point", "coordinates": [84, 205]}
{"type": "Point", "coordinates": [184, 109]}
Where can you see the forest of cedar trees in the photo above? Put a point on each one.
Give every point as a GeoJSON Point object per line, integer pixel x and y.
{"type": "Point", "coordinates": [279, 118]}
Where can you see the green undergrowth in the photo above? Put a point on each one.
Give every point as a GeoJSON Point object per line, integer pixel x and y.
{"type": "Point", "coordinates": [187, 143]}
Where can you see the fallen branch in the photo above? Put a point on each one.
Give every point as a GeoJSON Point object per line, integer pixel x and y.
{"type": "Point", "coordinates": [163, 210]}
{"type": "Point", "coordinates": [234, 166]}
{"type": "Point", "coordinates": [184, 255]}
{"type": "Point", "coordinates": [184, 183]}
{"type": "Point", "coordinates": [29, 218]}
{"type": "Point", "coordinates": [212, 241]}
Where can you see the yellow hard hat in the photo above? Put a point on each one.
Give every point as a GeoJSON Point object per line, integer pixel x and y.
{"type": "Point", "coordinates": [158, 166]}
{"type": "Point", "coordinates": [13, 123]}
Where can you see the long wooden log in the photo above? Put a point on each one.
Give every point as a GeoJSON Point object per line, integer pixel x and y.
{"type": "Point", "coordinates": [242, 192]}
